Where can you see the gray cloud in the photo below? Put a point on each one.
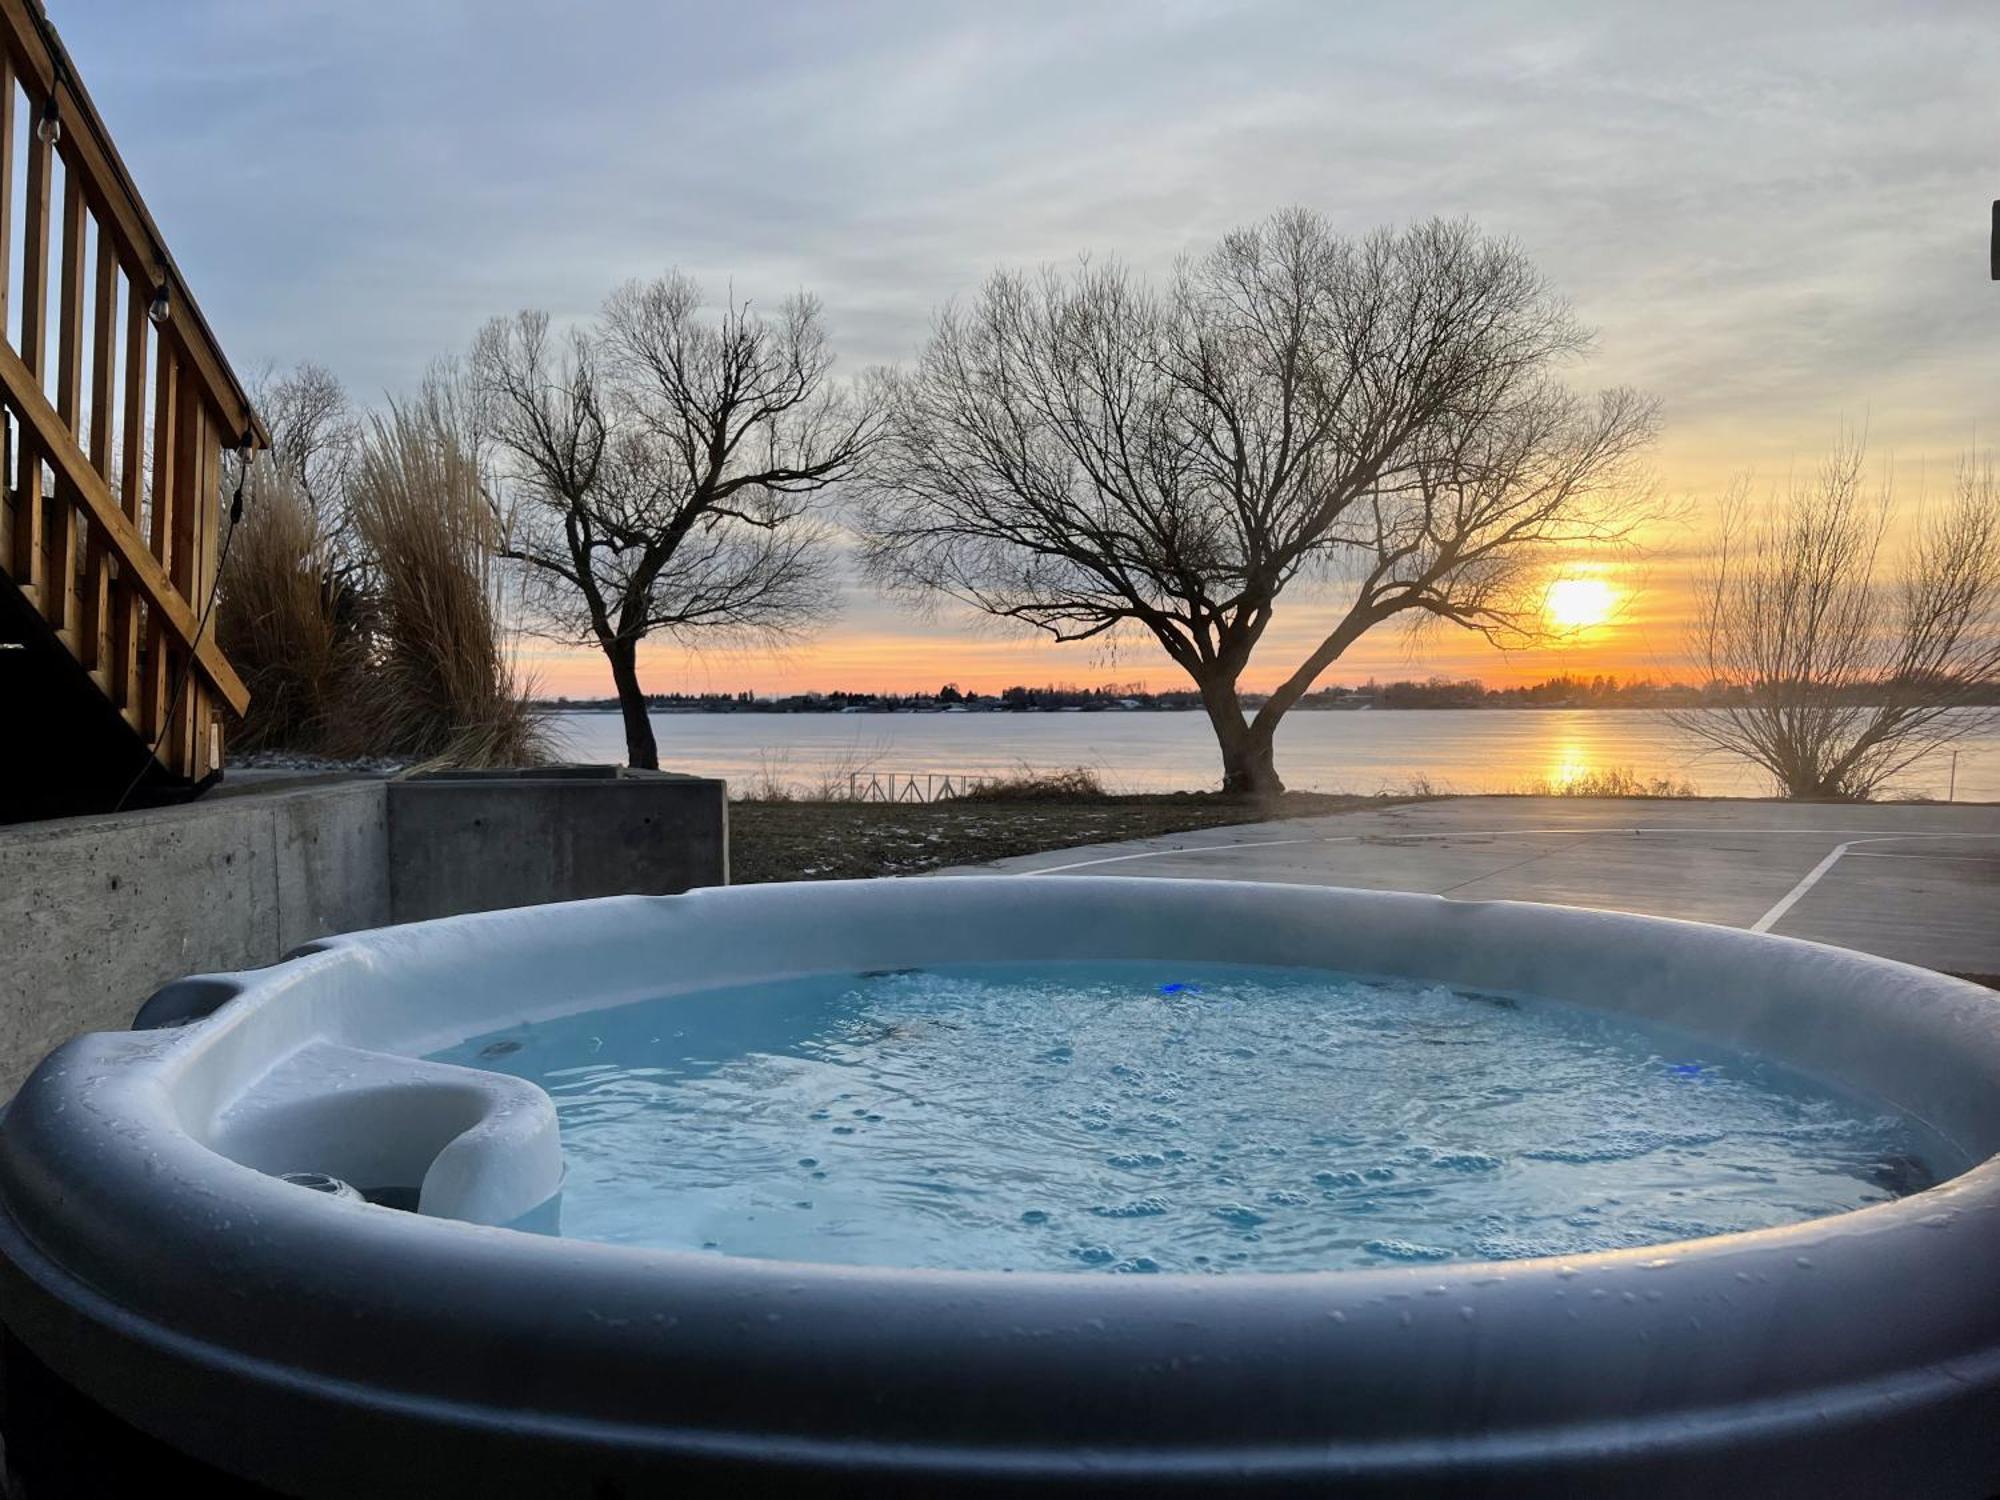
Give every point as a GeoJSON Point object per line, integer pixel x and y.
{"type": "Point", "coordinates": [1773, 210]}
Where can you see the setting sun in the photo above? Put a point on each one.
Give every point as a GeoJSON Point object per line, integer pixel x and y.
{"type": "Point", "coordinates": [1577, 603]}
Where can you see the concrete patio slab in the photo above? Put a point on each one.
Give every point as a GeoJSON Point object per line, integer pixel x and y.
{"type": "Point", "coordinates": [1918, 882]}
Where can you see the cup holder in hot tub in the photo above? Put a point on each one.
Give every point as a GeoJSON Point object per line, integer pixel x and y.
{"type": "Point", "coordinates": [444, 1141]}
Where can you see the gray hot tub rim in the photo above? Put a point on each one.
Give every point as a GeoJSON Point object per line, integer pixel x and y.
{"type": "Point", "coordinates": [122, 1232]}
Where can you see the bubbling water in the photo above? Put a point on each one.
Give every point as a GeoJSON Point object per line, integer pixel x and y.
{"type": "Point", "coordinates": [1142, 1117]}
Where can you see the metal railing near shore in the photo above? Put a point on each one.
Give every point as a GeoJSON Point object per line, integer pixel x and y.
{"type": "Point", "coordinates": [911, 786]}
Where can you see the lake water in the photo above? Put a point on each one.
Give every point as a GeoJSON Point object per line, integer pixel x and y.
{"type": "Point", "coordinates": [1366, 752]}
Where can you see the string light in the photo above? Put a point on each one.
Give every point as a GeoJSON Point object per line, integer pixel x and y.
{"type": "Point", "coordinates": [48, 124]}
{"type": "Point", "coordinates": [244, 449]}
{"type": "Point", "coordinates": [162, 308]}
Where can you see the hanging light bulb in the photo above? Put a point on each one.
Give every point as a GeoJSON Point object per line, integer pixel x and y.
{"type": "Point", "coordinates": [162, 308]}
{"type": "Point", "coordinates": [48, 124]}
{"type": "Point", "coordinates": [244, 449]}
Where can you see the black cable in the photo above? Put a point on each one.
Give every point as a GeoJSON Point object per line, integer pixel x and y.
{"type": "Point", "coordinates": [194, 646]}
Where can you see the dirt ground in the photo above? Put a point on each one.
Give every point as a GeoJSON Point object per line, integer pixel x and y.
{"type": "Point", "coordinates": [852, 840]}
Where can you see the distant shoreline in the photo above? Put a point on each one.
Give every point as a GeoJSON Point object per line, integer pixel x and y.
{"type": "Point", "coordinates": [610, 706]}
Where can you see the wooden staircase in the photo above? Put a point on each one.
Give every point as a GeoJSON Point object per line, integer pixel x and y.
{"type": "Point", "coordinates": [112, 689]}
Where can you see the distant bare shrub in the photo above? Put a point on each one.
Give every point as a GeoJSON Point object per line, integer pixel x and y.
{"type": "Point", "coordinates": [286, 621]}
{"type": "Point", "coordinates": [442, 687]}
{"type": "Point", "coordinates": [1609, 781]}
{"type": "Point", "coordinates": [1838, 670]}
{"type": "Point", "coordinates": [770, 782]}
{"type": "Point", "coordinates": [843, 778]}
{"type": "Point", "coordinates": [1025, 784]}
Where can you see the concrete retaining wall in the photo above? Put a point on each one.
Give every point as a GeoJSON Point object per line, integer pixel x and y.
{"type": "Point", "coordinates": [96, 913]}
{"type": "Point", "coordinates": [482, 841]}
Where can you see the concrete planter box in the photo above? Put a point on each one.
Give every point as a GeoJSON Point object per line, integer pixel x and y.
{"type": "Point", "coordinates": [465, 841]}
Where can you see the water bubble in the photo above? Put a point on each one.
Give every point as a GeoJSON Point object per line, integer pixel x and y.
{"type": "Point", "coordinates": [1139, 1208]}
{"type": "Point", "coordinates": [1135, 1159]}
{"type": "Point", "coordinates": [1406, 1250]}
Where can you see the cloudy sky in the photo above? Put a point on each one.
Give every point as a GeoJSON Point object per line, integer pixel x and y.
{"type": "Point", "coordinates": [1774, 214]}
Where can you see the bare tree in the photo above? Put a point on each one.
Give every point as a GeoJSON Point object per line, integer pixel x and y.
{"type": "Point", "coordinates": [1835, 672]}
{"type": "Point", "coordinates": [316, 435]}
{"type": "Point", "coordinates": [667, 469]}
{"type": "Point", "coordinates": [1087, 456]}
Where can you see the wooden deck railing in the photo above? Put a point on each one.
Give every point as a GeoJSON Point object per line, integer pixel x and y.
{"type": "Point", "coordinates": [113, 465]}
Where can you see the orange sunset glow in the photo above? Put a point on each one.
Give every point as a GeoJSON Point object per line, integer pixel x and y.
{"type": "Point", "coordinates": [1616, 617]}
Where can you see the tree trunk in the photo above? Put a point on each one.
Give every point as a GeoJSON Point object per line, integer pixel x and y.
{"type": "Point", "coordinates": [1249, 767]}
{"type": "Point", "coordinates": [642, 751]}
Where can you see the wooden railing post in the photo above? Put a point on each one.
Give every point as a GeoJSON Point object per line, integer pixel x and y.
{"type": "Point", "coordinates": [63, 608]}
{"type": "Point", "coordinates": [29, 562]}
{"type": "Point", "coordinates": [96, 622]}
{"type": "Point", "coordinates": [132, 496]}
{"type": "Point", "coordinates": [7, 91]}
{"type": "Point", "coordinates": [166, 427]}
{"type": "Point", "coordinates": [185, 569]}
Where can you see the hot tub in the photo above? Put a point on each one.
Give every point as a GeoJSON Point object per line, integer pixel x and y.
{"type": "Point", "coordinates": [174, 1303]}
